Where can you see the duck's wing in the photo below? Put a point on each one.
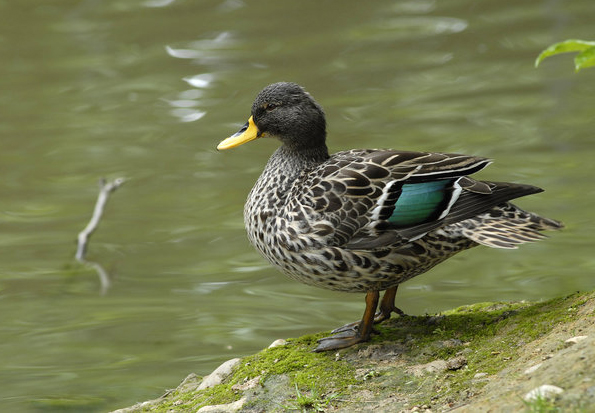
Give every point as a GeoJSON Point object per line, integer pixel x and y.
{"type": "Point", "coordinates": [369, 199]}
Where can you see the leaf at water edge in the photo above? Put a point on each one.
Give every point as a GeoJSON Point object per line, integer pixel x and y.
{"type": "Point", "coordinates": [584, 59]}
{"type": "Point", "coordinates": [572, 45]}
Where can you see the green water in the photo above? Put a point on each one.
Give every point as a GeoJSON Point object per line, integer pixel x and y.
{"type": "Point", "coordinates": [146, 89]}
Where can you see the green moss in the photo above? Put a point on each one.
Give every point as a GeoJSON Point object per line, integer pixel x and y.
{"type": "Point", "coordinates": [316, 374]}
{"type": "Point", "coordinates": [541, 405]}
{"type": "Point", "coordinates": [182, 401]}
{"type": "Point", "coordinates": [313, 400]}
{"type": "Point", "coordinates": [296, 359]}
{"type": "Point", "coordinates": [489, 334]}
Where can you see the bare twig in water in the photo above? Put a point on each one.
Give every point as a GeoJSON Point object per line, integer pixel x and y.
{"type": "Point", "coordinates": [105, 189]}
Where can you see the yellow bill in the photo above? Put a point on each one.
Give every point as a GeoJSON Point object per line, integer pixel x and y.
{"type": "Point", "coordinates": [247, 133]}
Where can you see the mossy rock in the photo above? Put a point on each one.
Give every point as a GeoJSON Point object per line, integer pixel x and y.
{"type": "Point", "coordinates": [471, 358]}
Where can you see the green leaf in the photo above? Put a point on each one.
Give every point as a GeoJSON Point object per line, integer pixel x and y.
{"type": "Point", "coordinates": [586, 58]}
{"type": "Point", "coordinates": [566, 46]}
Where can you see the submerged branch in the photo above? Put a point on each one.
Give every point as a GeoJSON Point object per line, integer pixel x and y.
{"type": "Point", "coordinates": [105, 189]}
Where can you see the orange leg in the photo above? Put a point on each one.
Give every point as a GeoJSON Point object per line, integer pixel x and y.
{"type": "Point", "coordinates": [387, 305]}
{"type": "Point", "coordinates": [351, 336]}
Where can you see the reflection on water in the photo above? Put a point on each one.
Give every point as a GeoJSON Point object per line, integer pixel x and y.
{"type": "Point", "coordinates": [209, 52]}
{"type": "Point", "coordinates": [403, 28]}
{"type": "Point", "coordinates": [146, 89]}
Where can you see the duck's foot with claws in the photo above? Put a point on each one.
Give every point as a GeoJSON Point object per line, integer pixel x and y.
{"type": "Point", "coordinates": [359, 332]}
{"type": "Point", "coordinates": [347, 337]}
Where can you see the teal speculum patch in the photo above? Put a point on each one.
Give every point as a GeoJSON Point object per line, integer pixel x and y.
{"type": "Point", "coordinates": [421, 202]}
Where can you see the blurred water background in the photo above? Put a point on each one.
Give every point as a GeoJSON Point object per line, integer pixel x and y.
{"type": "Point", "coordinates": [145, 89]}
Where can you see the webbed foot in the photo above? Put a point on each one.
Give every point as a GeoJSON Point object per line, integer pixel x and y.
{"type": "Point", "coordinates": [353, 333]}
{"type": "Point", "coordinates": [343, 339]}
{"type": "Point", "coordinates": [346, 327]}
{"type": "Point", "coordinates": [387, 307]}
{"type": "Point", "coordinates": [359, 332]}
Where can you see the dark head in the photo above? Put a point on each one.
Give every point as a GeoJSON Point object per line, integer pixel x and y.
{"type": "Point", "coordinates": [287, 112]}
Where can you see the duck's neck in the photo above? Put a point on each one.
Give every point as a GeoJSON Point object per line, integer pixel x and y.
{"type": "Point", "coordinates": [280, 173]}
{"type": "Point", "coordinates": [292, 162]}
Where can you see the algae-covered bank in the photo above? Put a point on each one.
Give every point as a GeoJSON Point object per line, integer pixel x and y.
{"type": "Point", "coordinates": [491, 357]}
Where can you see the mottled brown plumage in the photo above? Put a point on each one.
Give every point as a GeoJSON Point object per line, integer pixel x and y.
{"type": "Point", "coordinates": [367, 220]}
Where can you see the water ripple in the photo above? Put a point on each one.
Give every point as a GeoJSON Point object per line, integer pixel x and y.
{"type": "Point", "coordinates": [401, 28]}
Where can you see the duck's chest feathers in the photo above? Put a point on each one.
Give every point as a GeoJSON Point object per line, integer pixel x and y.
{"type": "Point", "coordinates": [273, 222]}
{"type": "Point", "coordinates": [265, 210]}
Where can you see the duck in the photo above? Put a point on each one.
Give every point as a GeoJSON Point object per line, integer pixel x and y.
{"type": "Point", "coordinates": [367, 220]}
